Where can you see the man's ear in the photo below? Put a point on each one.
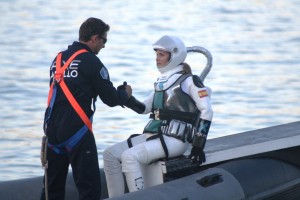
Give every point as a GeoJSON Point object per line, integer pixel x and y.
{"type": "Point", "coordinates": [94, 38]}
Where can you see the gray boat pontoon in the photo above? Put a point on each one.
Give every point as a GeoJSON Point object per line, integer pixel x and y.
{"type": "Point", "coordinates": [258, 164]}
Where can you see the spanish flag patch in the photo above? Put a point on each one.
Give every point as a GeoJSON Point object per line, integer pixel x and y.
{"type": "Point", "coordinates": [202, 93]}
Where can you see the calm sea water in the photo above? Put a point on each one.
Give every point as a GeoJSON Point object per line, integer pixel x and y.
{"type": "Point", "coordinates": [255, 76]}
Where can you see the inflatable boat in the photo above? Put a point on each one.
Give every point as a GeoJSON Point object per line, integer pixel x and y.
{"type": "Point", "coordinates": [258, 164]}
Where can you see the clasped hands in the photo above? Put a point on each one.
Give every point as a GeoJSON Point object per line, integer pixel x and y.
{"type": "Point", "coordinates": [125, 87]}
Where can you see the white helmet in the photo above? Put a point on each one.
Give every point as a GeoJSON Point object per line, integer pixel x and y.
{"type": "Point", "coordinates": [173, 45]}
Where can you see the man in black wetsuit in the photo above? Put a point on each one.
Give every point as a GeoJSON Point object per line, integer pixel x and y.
{"type": "Point", "coordinates": [70, 137]}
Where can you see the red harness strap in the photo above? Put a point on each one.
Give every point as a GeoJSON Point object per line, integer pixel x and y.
{"type": "Point", "coordinates": [59, 79]}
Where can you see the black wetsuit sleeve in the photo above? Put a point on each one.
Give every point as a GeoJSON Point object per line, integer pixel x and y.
{"type": "Point", "coordinates": [104, 87]}
{"type": "Point", "coordinates": [110, 95]}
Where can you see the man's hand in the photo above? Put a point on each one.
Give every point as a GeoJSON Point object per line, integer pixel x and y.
{"type": "Point", "coordinates": [125, 87]}
{"type": "Point", "coordinates": [121, 87]}
{"type": "Point", "coordinates": [128, 89]}
{"type": "Point", "coordinates": [197, 155]}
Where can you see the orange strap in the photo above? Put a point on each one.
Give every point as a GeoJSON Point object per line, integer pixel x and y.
{"type": "Point", "coordinates": [59, 79]}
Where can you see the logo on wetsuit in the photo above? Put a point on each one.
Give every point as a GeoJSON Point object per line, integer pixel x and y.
{"type": "Point", "coordinates": [71, 71]}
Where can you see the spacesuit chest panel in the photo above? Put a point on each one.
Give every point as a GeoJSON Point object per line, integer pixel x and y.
{"type": "Point", "coordinates": [171, 103]}
{"type": "Point", "coordinates": [173, 98]}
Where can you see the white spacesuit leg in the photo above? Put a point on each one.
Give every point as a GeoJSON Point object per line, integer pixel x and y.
{"type": "Point", "coordinates": [145, 153]}
{"type": "Point", "coordinates": [113, 168]}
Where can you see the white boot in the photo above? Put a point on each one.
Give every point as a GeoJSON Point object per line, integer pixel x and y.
{"type": "Point", "coordinates": [135, 181]}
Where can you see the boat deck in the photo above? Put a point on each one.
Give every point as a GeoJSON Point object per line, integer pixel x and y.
{"type": "Point", "coordinates": [252, 142]}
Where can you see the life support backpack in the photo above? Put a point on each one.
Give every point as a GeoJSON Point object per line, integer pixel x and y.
{"type": "Point", "coordinates": [69, 144]}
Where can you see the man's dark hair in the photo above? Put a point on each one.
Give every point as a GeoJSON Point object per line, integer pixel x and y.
{"type": "Point", "coordinates": [92, 26]}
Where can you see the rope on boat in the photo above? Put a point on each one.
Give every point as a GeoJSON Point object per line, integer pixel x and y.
{"type": "Point", "coordinates": [208, 56]}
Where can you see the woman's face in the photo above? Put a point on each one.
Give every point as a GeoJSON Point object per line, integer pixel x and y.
{"type": "Point", "coordinates": [162, 58]}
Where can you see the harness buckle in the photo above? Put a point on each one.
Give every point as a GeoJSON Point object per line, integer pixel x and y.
{"type": "Point", "coordinates": [44, 152]}
{"type": "Point", "coordinates": [58, 77]}
{"type": "Point", "coordinates": [156, 114]}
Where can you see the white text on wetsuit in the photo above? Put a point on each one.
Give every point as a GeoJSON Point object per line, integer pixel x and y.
{"type": "Point", "coordinates": [71, 71]}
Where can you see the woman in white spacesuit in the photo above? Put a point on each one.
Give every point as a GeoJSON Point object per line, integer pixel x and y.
{"type": "Point", "coordinates": [181, 114]}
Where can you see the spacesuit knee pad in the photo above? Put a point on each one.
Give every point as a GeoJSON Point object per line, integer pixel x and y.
{"type": "Point", "coordinates": [132, 158]}
{"type": "Point", "coordinates": [107, 154]}
{"type": "Point", "coordinates": [111, 163]}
